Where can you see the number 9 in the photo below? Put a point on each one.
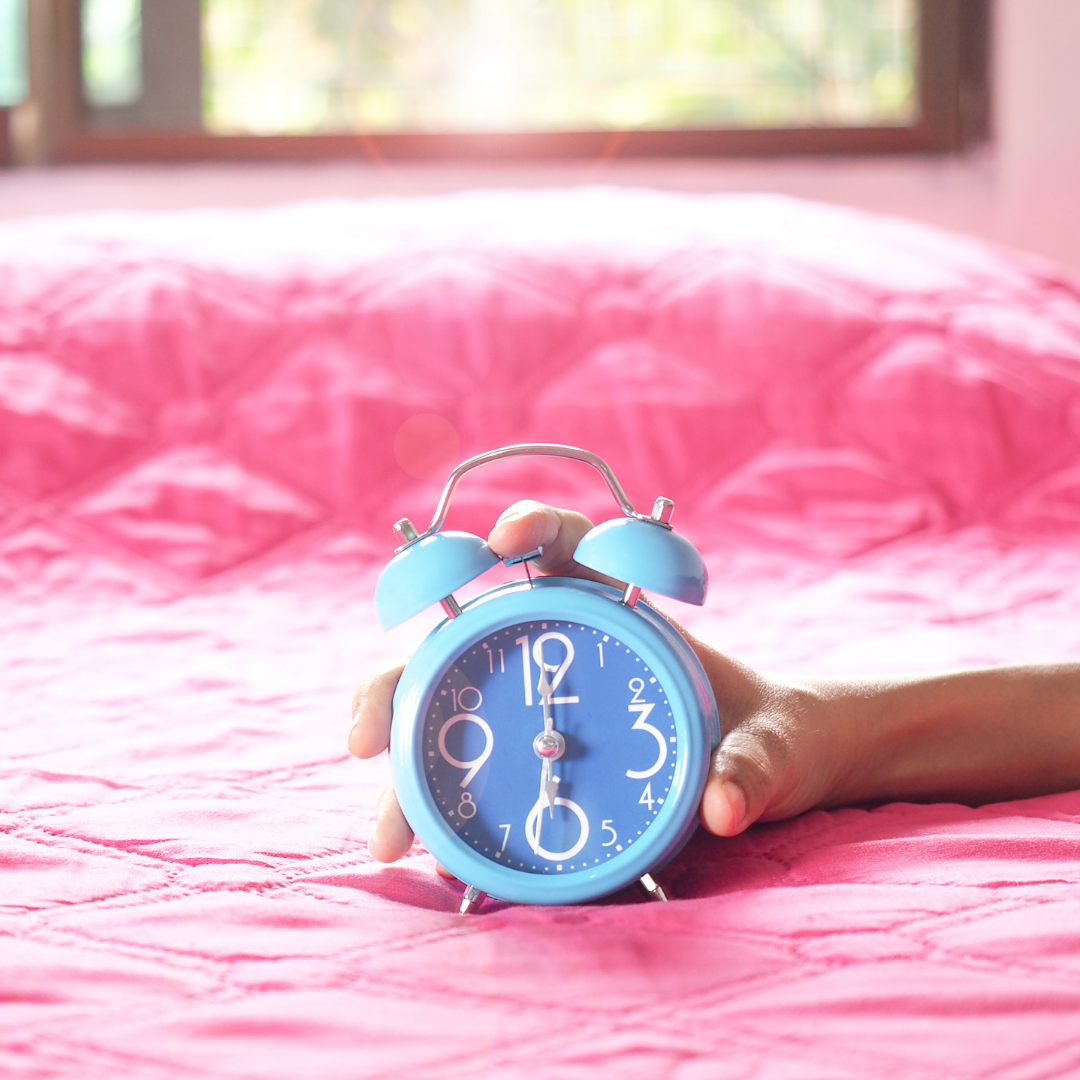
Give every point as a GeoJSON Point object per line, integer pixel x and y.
{"type": "Point", "coordinates": [475, 765]}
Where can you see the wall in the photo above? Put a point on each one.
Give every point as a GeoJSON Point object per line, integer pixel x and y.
{"type": "Point", "coordinates": [1037, 80]}
{"type": "Point", "coordinates": [1021, 190]}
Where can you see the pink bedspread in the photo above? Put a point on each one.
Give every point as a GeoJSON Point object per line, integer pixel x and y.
{"type": "Point", "coordinates": [872, 428]}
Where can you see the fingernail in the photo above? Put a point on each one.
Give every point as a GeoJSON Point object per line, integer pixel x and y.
{"type": "Point", "coordinates": [736, 800]}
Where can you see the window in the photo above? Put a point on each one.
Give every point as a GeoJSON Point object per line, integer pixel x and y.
{"type": "Point", "coordinates": [14, 84]}
{"type": "Point", "coordinates": [111, 52]}
{"type": "Point", "coordinates": [278, 66]}
{"type": "Point", "coordinates": [484, 78]}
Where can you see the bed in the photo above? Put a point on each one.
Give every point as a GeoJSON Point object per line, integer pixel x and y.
{"type": "Point", "coordinates": [871, 428]}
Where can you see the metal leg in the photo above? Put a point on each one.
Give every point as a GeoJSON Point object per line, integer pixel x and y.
{"type": "Point", "coordinates": [652, 888]}
{"type": "Point", "coordinates": [472, 900]}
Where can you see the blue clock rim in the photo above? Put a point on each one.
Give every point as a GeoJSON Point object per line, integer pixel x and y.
{"type": "Point", "coordinates": [652, 638]}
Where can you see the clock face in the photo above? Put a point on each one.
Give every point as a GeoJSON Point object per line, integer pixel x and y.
{"type": "Point", "coordinates": [549, 747]}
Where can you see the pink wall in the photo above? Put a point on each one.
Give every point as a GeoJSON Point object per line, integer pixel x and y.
{"type": "Point", "coordinates": [1021, 190]}
{"type": "Point", "coordinates": [1037, 77]}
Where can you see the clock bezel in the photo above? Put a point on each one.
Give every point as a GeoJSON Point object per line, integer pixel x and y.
{"type": "Point", "coordinates": [659, 645]}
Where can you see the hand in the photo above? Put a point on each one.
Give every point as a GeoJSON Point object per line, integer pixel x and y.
{"type": "Point", "coordinates": [790, 746]}
{"type": "Point", "coordinates": [774, 760]}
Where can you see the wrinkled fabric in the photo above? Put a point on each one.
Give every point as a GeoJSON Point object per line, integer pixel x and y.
{"type": "Point", "coordinates": [871, 428]}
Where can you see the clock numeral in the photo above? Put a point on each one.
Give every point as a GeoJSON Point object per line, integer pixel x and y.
{"type": "Point", "coordinates": [643, 709]}
{"type": "Point", "coordinates": [526, 667]}
{"type": "Point", "coordinates": [467, 808]}
{"type": "Point", "coordinates": [600, 646]}
{"type": "Point", "coordinates": [475, 764]}
{"type": "Point", "coordinates": [646, 796]}
{"type": "Point", "coordinates": [532, 829]}
{"type": "Point", "coordinates": [491, 660]}
{"type": "Point", "coordinates": [545, 686]}
{"type": "Point", "coordinates": [605, 826]}
{"type": "Point", "coordinates": [467, 704]}
{"type": "Point", "coordinates": [506, 836]}
{"type": "Point", "coordinates": [548, 686]}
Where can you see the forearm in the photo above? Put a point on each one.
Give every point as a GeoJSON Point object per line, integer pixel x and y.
{"type": "Point", "coordinates": [972, 736]}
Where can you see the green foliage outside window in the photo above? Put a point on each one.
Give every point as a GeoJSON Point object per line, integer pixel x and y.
{"type": "Point", "coordinates": [298, 66]}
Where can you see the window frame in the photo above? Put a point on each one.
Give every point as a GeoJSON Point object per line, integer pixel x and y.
{"type": "Point", "coordinates": [952, 85]}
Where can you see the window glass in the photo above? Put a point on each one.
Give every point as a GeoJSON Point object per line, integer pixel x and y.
{"type": "Point", "coordinates": [296, 66]}
{"type": "Point", "coordinates": [13, 80]}
{"type": "Point", "coordinates": [111, 52]}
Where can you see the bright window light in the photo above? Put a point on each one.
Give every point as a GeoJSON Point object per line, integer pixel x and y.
{"type": "Point", "coordinates": [111, 52]}
{"type": "Point", "coordinates": [556, 65]}
{"type": "Point", "coordinates": [13, 78]}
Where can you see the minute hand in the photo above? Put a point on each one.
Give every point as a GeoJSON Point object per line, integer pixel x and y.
{"type": "Point", "coordinates": [548, 785]}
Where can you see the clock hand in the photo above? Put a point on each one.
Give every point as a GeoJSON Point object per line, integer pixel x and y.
{"type": "Point", "coordinates": [548, 786]}
{"type": "Point", "coordinates": [545, 699]}
{"type": "Point", "coordinates": [549, 746]}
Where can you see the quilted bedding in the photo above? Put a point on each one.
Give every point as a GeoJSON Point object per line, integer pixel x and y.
{"type": "Point", "coordinates": [208, 422]}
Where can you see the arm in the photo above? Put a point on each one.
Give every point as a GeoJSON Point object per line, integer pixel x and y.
{"type": "Point", "coordinates": [790, 746]}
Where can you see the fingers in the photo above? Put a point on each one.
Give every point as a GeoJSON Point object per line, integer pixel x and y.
{"type": "Point", "coordinates": [370, 735]}
{"type": "Point", "coordinates": [372, 712]}
{"type": "Point", "coordinates": [391, 838]}
{"type": "Point", "coordinates": [769, 765]}
{"type": "Point", "coordinates": [740, 785]}
{"type": "Point", "coordinates": [527, 525]}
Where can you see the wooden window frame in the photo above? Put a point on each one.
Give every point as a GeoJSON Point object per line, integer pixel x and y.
{"type": "Point", "coordinates": [952, 87]}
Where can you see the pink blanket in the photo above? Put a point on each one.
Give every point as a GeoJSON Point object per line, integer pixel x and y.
{"type": "Point", "coordinates": [872, 429]}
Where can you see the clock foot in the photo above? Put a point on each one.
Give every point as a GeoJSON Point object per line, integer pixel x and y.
{"type": "Point", "coordinates": [472, 900]}
{"type": "Point", "coordinates": [650, 885]}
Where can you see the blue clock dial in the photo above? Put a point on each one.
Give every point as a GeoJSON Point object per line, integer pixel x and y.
{"type": "Point", "coordinates": [549, 747]}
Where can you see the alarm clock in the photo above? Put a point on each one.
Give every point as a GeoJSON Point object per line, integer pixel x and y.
{"type": "Point", "coordinates": [551, 737]}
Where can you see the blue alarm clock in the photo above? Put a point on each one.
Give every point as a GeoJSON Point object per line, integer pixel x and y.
{"type": "Point", "coordinates": [552, 737]}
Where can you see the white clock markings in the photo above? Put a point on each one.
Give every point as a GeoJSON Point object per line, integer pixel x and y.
{"type": "Point", "coordinates": [526, 667]}
{"type": "Point", "coordinates": [553, 670]}
{"type": "Point", "coordinates": [644, 708]}
{"type": "Point", "coordinates": [547, 686]}
{"type": "Point", "coordinates": [460, 702]}
{"type": "Point", "coordinates": [532, 830]}
{"type": "Point", "coordinates": [475, 765]}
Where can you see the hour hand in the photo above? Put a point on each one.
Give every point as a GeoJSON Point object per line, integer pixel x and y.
{"type": "Point", "coordinates": [551, 785]}
{"type": "Point", "coordinates": [549, 746]}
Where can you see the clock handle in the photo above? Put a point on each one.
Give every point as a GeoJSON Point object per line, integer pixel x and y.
{"type": "Point", "coordinates": [661, 512]}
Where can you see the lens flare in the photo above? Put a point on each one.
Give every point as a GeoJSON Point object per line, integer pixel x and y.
{"type": "Point", "coordinates": [427, 445]}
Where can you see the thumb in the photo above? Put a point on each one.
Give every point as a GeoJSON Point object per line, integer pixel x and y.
{"type": "Point", "coordinates": [744, 780]}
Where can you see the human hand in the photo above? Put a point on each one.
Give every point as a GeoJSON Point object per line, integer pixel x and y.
{"type": "Point", "coordinates": [781, 753]}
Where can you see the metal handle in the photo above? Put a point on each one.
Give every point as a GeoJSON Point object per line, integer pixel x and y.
{"type": "Point", "coordinates": [531, 450]}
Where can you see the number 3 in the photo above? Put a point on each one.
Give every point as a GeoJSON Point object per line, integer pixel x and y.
{"type": "Point", "coordinates": [643, 708]}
